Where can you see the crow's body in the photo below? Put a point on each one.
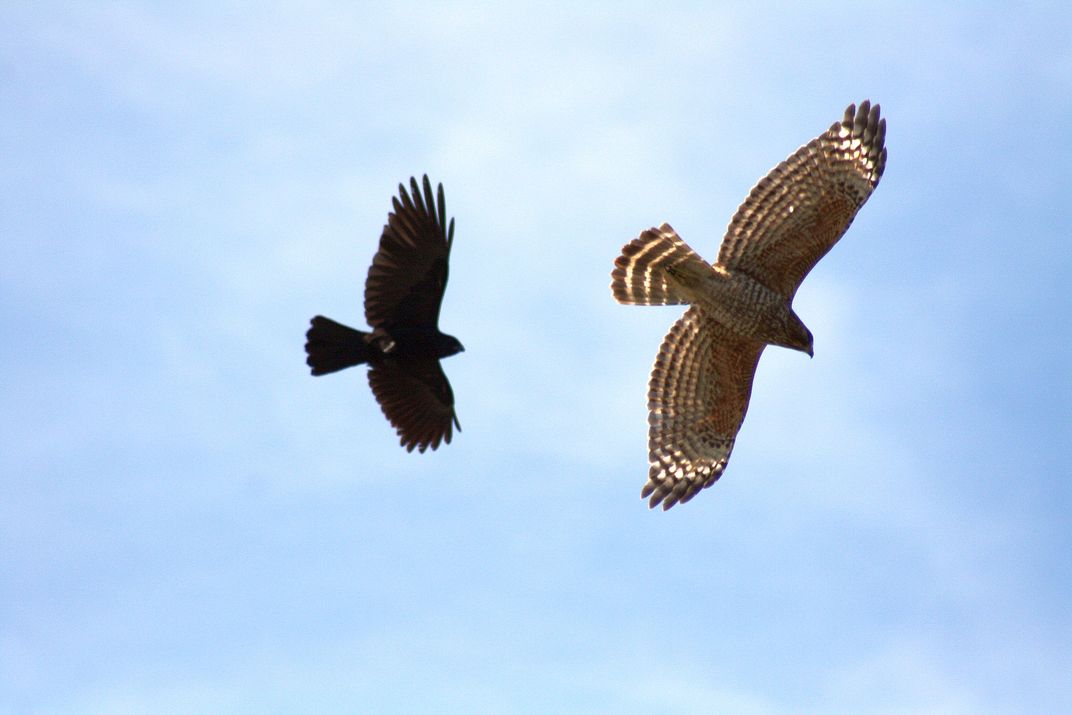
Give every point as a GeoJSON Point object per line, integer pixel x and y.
{"type": "Point", "coordinates": [403, 293]}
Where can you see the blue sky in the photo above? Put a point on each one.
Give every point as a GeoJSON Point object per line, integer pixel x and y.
{"type": "Point", "coordinates": [191, 523]}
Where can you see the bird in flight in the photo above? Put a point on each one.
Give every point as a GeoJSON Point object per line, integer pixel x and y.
{"type": "Point", "coordinates": [403, 293]}
{"type": "Point", "coordinates": [702, 378]}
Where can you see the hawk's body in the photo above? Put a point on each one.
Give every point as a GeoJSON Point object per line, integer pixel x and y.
{"type": "Point", "coordinates": [702, 379]}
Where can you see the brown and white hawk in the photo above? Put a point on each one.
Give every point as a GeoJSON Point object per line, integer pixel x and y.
{"type": "Point", "coordinates": [702, 379]}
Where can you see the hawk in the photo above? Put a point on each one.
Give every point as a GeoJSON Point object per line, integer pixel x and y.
{"type": "Point", "coordinates": [403, 293]}
{"type": "Point", "coordinates": [702, 378]}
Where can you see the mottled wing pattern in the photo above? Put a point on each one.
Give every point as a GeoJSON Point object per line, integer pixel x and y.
{"type": "Point", "coordinates": [417, 400]}
{"type": "Point", "coordinates": [796, 213]}
{"type": "Point", "coordinates": [697, 399]}
{"type": "Point", "coordinates": [408, 274]}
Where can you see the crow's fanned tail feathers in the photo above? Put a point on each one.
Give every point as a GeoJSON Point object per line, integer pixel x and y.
{"type": "Point", "coordinates": [332, 346]}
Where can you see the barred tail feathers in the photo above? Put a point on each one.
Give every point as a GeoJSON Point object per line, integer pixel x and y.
{"type": "Point", "coordinates": [640, 274]}
{"type": "Point", "coordinates": [333, 346]}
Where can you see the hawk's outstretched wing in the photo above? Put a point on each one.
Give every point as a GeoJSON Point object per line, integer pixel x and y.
{"type": "Point", "coordinates": [799, 210]}
{"type": "Point", "coordinates": [416, 398]}
{"type": "Point", "coordinates": [408, 275]}
{"type": "Point", "coordinates": [697, 398]}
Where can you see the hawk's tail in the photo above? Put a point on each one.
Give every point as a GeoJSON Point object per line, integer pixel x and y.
{"type": "Point", "coordinates": [333, 346]}
{"type": "Point", "coordinates": [640, 274]}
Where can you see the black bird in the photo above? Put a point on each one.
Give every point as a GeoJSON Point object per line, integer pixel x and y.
{"type": "Point", "coordinates": [403, 292]}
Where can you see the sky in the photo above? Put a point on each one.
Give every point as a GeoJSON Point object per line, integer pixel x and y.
{"type": "Point", "coordinates": [189, 522]}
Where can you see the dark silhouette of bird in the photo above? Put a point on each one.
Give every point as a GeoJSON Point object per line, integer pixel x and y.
{"type": "Point", "coordinates": [403, 293]}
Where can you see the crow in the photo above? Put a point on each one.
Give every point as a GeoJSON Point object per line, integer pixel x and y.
{"type": "Point", "coordinates": [403, 293]}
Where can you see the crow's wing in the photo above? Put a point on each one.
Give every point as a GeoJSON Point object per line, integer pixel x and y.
{"type": "Point", "coordinates": [416, 398]}
{"type": "Point", "coordinates": [408, 275]}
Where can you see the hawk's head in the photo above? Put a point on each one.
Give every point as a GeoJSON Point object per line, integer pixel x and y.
{"type": "Point", "coordinates": [799, 337]}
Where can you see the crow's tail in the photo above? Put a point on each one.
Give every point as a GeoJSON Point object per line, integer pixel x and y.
{"type": "Point", "coordinates": [333, 346]}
